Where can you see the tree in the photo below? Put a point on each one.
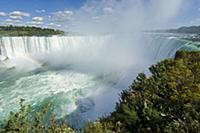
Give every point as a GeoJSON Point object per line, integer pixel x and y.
{"type": "Point", "coordinates": [29, 121]}
{"type": "Point", "coordinates": [168, 101]}
{"type": "Point", "coordinates": [27, 31]}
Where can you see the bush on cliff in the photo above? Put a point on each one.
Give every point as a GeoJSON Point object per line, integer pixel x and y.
{"type": "Point", "coordinates": [28, 121]}
{"type": "Point", "coordinates": [28, 31]}
{"type": "Point", "coordinates": [168, 101]}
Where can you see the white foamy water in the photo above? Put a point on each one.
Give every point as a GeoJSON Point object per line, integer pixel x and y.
{"type": "Point", "coordinates": [83, 75]}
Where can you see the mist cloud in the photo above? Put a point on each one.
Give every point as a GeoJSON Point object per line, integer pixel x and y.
{"type": "Point", "coordinates": [123, 21]}
{"type": "Point", "coordinates": [165, 10]}
{"type": "Point", "coordinates": [107, 16]}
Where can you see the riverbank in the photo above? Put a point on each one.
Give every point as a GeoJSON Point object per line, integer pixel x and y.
{"type": "Point", "coordinates": [28, 31]}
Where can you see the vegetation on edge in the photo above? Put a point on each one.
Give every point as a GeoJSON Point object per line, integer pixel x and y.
{"type": "Point", "coordinates": [186, 30]}
{"type": "Point", "coordinates": [27, 31]}
{"type": "Point", "coordinates": [167, 101]}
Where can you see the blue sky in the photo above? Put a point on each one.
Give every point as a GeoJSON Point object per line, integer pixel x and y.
{"type": "Point", "coordinates": [189, 14]}
{"type": "Point", "coordinates": [32, 5]}
{"type": "Point", "coordinates": [49, 12]}
{"type": "Point", "coordinates": [22, 12]}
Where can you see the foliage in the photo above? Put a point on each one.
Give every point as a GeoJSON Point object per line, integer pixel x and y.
{"type": "Point", "coordinates": [168, 101]}
{"type": "Point", "coordinates": [97, 127]}
{"type": "Point", "coordinates": [190, 30]}
{"type": "Point", "coordinates": [28, 121]}
{"type": "Point", "coordinates": [27, 31]}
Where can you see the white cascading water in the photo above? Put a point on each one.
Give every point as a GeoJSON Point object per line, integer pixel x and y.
{"type": "Point", "coordinates": [83, 88]}
{"type": "Point", "coordinates": [17, 46]}
{"type": "Point", "coordinates": [36, 49]}
{"type": "Point", "coordinates": [13, 47]}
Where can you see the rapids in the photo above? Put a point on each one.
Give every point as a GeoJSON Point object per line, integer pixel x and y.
{"type": "Point", "coordinates": [71, 72]}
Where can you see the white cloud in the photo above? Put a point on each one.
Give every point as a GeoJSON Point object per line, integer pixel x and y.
{"type": "Point", "coordinates": [2, 14]}
{"type": "Point", "coordinates": [54, 25]}
{"type": "Point", "coordinates": [11, 22]}
{"type": "Point", "coordinates": [62, 15]}
{"type": "Point", "coordinates": [51, 24]}
{"type": "Point", "coordinates": [34, 23]}
{"type": "Point", "coordinates": [66, 13]}
{"type": "Point", "coordinates": [40, 11]}
{"type": "Point", "coordinates": [61, 18]}
{"type": "Point", "coordinates": [18, 15]}
{"type": "Point", "coordinates": [107, 10]}
{"type": "Point", "coordinates": [8, 23]}
{"type": "Point", "coordinates": [8, 20]}
{"type": "Point", "coordinates": [58, 25]}
{"type": "Point", "coordinates": [37, 19]}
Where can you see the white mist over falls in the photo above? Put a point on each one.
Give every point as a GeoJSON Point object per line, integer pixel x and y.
{"type": "Point", "coordinates": [84, 74]}
{"type": "Point", "coordinates": [72, 72]}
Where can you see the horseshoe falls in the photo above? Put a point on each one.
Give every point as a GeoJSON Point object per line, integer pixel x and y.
{"type": "Point", "coordinates": [82, 75]}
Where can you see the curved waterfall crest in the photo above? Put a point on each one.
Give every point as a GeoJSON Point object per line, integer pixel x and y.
{"type": "Point", "coordinates": [98, 50]}
{"type": "Point", "coordinates": [78, 72]}
{"type": "Point", "coordinates": [14, 46]}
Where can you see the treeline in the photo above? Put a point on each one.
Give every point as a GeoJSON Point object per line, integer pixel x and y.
{"type": "Point", "coordinates": [168, 101]}
{"type": "Point", "coordinates": [27, 31]}
{"type": "Point", "coordinates": [186, 30]}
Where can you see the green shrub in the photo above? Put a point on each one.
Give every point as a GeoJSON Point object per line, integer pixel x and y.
{"type": "Point", "coordinates": [29, 121]}
{"type": "Point", "coordinates": [28, 31]}
{"type": "Point", "coordinates": [168, 101]}
{"type": "Point", "coordinates": [97, 127]}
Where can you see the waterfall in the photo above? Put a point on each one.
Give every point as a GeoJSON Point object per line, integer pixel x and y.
{"type": "Point", "coordinates": [56, 50]}
{"type": "Point", "coordinates": [99, 68]}
{"type": "Point", "coordinates": [15, 46]}
{"type": "Point", "coordinates": [95, 50]}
